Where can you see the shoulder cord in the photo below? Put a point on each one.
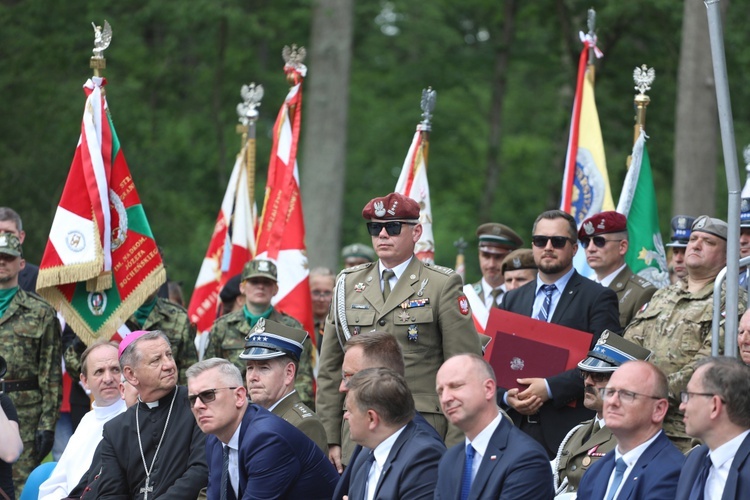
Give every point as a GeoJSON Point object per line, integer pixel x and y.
{"type": "Point", "coordinates": [556, 463]}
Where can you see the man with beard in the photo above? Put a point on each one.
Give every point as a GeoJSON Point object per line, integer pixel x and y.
{"type": "Point", "coordinates": [591, 440]}
{"type": "Point", "coordinates": [548, 408]}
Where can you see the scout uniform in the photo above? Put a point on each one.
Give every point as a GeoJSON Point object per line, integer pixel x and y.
{"type": "Point", "coordinates": [496, 239]}
{"type": "Point", "coordinates": [227, 336]}
{"type": "Point", "coordinates": [591, 440]}
{"type": "Point", "coordinates": [633, 291]}
{"type": "Point", "coordinates": [426, 311]}
{"type": "Point", "coordinates": [30, 343]}
{"type": "Point", "coordinates": [269, 340]}
{"type": "Point", "coordinates": [676, 326]}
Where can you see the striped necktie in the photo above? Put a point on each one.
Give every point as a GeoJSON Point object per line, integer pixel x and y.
{"type": "Point", "coordinates": [547, 305]}
{"type": "Point", "coordinates": [225, 473]}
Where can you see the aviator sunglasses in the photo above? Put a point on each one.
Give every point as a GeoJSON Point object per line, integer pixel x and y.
{"type": "Point", "coordinates": [206, 396]}
{"type": "Point", "coordinates": [557, 241]}
{"type": "Point", "coordinates": [393, 228]}
{"type": "Point", "coordinates": [599, 241]}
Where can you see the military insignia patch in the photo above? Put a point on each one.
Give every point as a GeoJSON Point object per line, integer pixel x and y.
{"type": "Point", "coordinates": [413, 333]}
{"type": "Point", "coordinates": [75, 241]}
{"type": "Point", "coordinates": [97, 302]}
{"type": "Point", "coordinates": [463, 305]}
{"type": "Point", "coordinates": [359, 287]}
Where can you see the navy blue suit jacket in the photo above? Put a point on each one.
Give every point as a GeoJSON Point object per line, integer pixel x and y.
{"type": "Point", "coordinates": [738, 480]}
{"type": "Point", "coordinates": [276, 460]}
{"type": "Point", "coordinates": [585, 306]}
{"type": "Point", "coordinates": [513, 467]}
{"type": "Point", "coordinates": [654, 475]}
{"type": "Point", "coordinates": [409, 472]}
{"type": "Point", "coordinates": [342, 488]}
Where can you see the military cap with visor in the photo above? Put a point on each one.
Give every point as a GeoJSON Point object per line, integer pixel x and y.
{"type": "Point", "coordinates": [269, 339]}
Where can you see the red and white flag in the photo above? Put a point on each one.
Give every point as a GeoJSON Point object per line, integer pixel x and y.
{"type": "Point", "coordinates": [281, 232]}
{"type": "Point", "coordinates": [101, 260]}
{"type": "Point", "coordinates": [232, 245]}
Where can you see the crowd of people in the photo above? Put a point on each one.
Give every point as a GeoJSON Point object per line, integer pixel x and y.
{"type": "Point", "coordinates": [403, 403]}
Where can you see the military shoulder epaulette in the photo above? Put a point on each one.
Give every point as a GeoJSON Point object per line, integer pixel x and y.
{"type": "Point", "coordinates": [642, 282]}
{"type": "Point", "coordinates": [440, 269]}
{"type": "Point", "coordinates": [360, 267]}
{"type": "Point", "coordinates": [302, 410]}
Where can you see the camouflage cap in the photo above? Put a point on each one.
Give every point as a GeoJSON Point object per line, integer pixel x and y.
{"type": "Point", "coordinates": [10, 245]}
{"type": "Point", "coordinates": [610, 351]}
{"type": "Point", "coordinates": [710, 225]}
{"type": "Point", "coordinates": [523, 258]}
{"type": "Point", "coordinates": [358, 251]}
{"type": "Point", "coordinates": [259, 268]}
{"type": "Point", "coordinates": [494, 236]}
{"type": "Point", "coordinates": [269, 339]}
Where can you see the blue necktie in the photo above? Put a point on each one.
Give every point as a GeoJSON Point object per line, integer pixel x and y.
{"type": "Point", "coordinates": [620, 467]}
{"type": "Point", "coordinates": [547, 305]}
{"type": "Point", "coordinates": [224, 473]}
{"type": "Point", "coordinates": [366, 473]}
{"type": "Point", "coordinates": [466, 478]}
{"type": "Point", "coordinates": [699, 486]}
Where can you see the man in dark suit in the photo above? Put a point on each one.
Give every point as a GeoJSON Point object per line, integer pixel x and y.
{"type": "Point", "coordinates": [251, 452]}
{"type": "Point", "coordinates": [496, 460]}
{"type": "Point", "coordinates": [645, 464]}
{"type": "Point", "coordinates": [717, 411]}
{"type": "Point", "coordinates": [399, 458]}
{"type": "Point", "coordinates": [558, 295]}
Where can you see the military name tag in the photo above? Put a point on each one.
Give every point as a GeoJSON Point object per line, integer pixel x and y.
{"type": "Point", "coordinates": [360, 306]}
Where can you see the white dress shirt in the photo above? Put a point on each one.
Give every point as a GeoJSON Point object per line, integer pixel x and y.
{"type": "Point", "coordinates": [380, 453]}
{"type": "Point", "coordinates": [630, 458]}
{"type": "Point", "coordinates": [234, 458]}
{"type": "Point", "coordinates": [480, 443]}
{"type": "Point", "coordinates": [721, 458]}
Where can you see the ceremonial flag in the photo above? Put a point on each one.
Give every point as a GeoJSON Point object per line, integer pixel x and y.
{"type": "Point", "coordinates": [232, 245]}
{"type": "Point", "coordinates": [281, 232]}
{"type": "Point", "coordinates": [585, 189]}
{"type": "Point", "coordinates": [646, 255]}
{"type": "Point", "coordinates": [413, 183]}
{"type": "Point", "coordinates": [101, 261]}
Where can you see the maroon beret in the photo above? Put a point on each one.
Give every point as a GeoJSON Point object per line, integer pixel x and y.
{"type": "Point", "coordinates": [603, 223]}
{"type": "Point", "coordinates": [394, 206]}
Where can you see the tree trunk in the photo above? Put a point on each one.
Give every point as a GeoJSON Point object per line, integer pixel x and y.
{"type": "Point", "coordinates": [323, 166]}
{"type": "Point", "coordinates": [696, 130]}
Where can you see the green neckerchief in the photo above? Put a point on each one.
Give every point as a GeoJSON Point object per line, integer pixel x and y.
{"type": "Point", "coordinates": [142, 313]}
{"type": "Point", "coordinates": [6, 296]}
{"type": "Point", "coordinates": [253, 318]}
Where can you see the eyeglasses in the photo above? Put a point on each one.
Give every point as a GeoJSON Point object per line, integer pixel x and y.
{"type": "Point", "coordinates": [346, 378]}
{"type": "Point", "coordinates": [557, 241]}
{"type": "Point", "coordinates": [207, 396]}
{"type": "Point", "coordinates": [686, 395]}
{"type": "Point", "coordinates": [597, 377]}
{"type": "Point", "coordinates": [393, 228]}
{"type": "Point", "coordinates": [322, 295]}
{"type": "Point", "coordinates": [599, 241]}
{"type": "Point", "coordinates": [626, 397]}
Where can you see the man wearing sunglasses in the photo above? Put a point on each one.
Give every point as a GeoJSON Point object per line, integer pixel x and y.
{"type": "Point", "coordinates": [591, 440]}
{"type": "Point", "coordinates": [251, 452]}
{"type": "Point", "coordinates": [421, 305]}
{"type": "Point", "coordinates": [604, 238]}
{"type": "Point", "coordinates": [550, 407]}
{"type": "Point", "coordinates": [644, 464]}
{"type": "Point", "coordinates": [676, 323]}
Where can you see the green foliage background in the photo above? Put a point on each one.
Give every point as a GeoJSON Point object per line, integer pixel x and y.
{"type": "Point", "coordinates": [175, 69]}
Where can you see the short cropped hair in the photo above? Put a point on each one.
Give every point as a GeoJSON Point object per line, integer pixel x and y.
{"type": "Point", "coordinates": [559, 214]}
{"type": "Point", "coordinates": [7, 213]}
{"type": "Point", "coordinates": [89, 349]}
{"type": "Point", "coordinates": [729, 378]}
{"type": "Point", "coordinates": [384, 391]}
{"type": "Point", "coordinates": [230, 373]}
{"type": "Point", "coordinates": [379, 349]}
{"type": "Point", "coordinates": [131, 357]}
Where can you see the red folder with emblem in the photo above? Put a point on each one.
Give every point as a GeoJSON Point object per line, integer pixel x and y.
{"type": "Point", "coordinates": [524, 347]}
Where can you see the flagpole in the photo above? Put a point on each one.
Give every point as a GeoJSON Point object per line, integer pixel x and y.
{"type": "Point", "coordinates": [716, 35]}
{"type": "Point", "coordinates": [247, 111]}
{"type": "Point", "coordinates": [102, 38]}
{"type": "Point", "coordinates": [643, 78]}
{"type": "Point", "coordinates": [427, 104]}
{"type": "Point", "coordinates": [591, 23]}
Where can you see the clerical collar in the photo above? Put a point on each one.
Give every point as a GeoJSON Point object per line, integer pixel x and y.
{"type": "Point", "coordinates": [155, 404]}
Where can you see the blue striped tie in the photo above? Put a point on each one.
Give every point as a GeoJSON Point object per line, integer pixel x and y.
{"type": "Point", "coordinates": [224, 473]}
{"type": "Point", "coordinates": [547, 305]}
{"type": "Point", "coordinates": [466, 478]}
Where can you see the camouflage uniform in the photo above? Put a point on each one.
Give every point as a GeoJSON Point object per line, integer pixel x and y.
{"type": "Point", "coordinates": [581, 447]}
{"type": "Point", "coordinates": [227, 340]}
{"type": "Point", "coordinates": [30, 343]}
{"type": "Point", "coordinates": [676, 326]}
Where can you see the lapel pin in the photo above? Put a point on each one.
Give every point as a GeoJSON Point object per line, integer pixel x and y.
{"type": "Point", "coordinates": [493, 457]}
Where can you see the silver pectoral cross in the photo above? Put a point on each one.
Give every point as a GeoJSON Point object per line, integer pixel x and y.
{"type": "Point", "coordinates": [146, 489]}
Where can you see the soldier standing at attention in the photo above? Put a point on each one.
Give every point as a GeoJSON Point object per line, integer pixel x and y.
{"type": "Point", "coordinates": [604, 237]}
{"type": "Point", "coordinates": [227, 337]}
{"type": "Point", "coordinates": [421, 305]}
{"type": "Point", "coordinates": [496, 241]}
{"type": "Point", "coordinates": [30, 343]}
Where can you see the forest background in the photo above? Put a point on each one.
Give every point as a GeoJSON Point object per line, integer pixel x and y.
{"type": "Point", "coordinates": [504, 72]}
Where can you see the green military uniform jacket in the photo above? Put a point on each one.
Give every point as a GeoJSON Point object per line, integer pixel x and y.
{"type": "Point", "coordinates": [676, 326]}
{"type": "Point", "coordinates": [30, 343]}
{"type": "Point", "coordinates": [426, 311]}
{"type": "Point", "coordinates": [294, 411]}
{"type": "Point", "coordinates": [227, 340]}
{"type": "Point", "coordinates": [632, 293]}
{"type": "Point", "coordinates": [173, 320]}
{"type": "Point", "coordinates": [578, 451]}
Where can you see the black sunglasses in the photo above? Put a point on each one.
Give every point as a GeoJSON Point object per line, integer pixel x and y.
{"type": "Point", "coordinates": [206, 396]}
{"type": "Point", "coordinates": [557, 241]}
{"type": "Point", "coordinates": [599, 241]}
{"type": "Point", "coordinates": [393, 228]}
{"type": "Point", "coordinates": [597, 377]}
